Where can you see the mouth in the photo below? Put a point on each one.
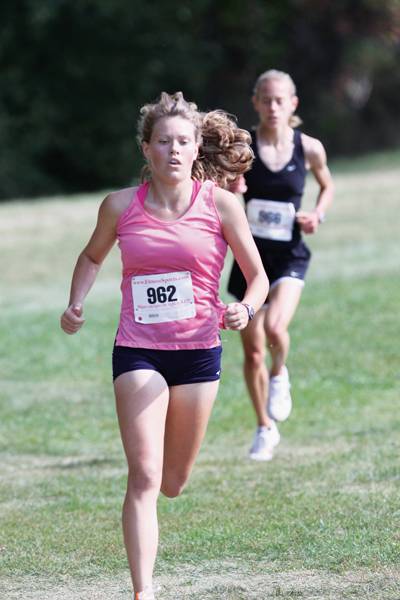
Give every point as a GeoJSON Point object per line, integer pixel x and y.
{"type": "Point", "coordinates": [174, 162]}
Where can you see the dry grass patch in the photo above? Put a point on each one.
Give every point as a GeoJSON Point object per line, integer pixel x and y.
{"type": "Point", "coordinates": [219, 581]}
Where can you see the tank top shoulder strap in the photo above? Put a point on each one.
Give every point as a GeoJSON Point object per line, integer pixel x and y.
{"type": "Point", "coordinates": [204, 203]}
{"type": "Point", "coordinates": [141, 192]}
{"type": "Point", "coordinates": [298, 144]}
{"type": "Point", "coordinates": [138, 197]}
{"type": "Point", "coordinates": [196, 188]}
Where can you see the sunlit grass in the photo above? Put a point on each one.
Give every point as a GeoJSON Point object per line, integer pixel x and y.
{"type": "Point", "coordinates": [329, 500]}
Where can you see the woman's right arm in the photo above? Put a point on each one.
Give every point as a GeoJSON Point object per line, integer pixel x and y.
{"type": "Point", "coordinates": [90, 260]}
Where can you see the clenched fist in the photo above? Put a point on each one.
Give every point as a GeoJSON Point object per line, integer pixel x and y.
{"type": "Point", "coordinates": [236, 316]}
{"type": "Point", "coordinates": [72, 319]}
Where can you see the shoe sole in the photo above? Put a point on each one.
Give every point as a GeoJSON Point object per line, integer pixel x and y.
{"type": "Point", "coordinates": [280, 419]}
{"type": "Point", "coordinates": [265, 458]}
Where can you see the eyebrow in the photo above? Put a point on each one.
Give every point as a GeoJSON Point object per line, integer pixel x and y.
{"type": "Point", "coordinates": [180, 136]}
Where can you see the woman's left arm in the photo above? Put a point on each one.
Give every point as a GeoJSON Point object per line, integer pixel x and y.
{"type": "Point", "coordinates": [237, 233]}
{"type": "Point", "coordinates": [316, 158]}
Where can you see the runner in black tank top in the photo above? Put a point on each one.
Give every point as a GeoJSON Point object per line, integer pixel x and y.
{"type": "Point", "coordinates": [288, 258]}
{"type": "Point", "coordinates": [275, 186]}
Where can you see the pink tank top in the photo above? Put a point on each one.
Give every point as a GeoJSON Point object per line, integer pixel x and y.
{"type": "Point", "coordinates": [171, 275]}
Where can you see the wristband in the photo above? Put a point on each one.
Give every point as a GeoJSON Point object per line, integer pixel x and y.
{"type": "Point", "coordinates": [250, 310]}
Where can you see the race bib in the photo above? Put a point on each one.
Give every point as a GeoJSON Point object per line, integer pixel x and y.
{"type": "Point", "coordinates": [163, 298]}
{"type": "Point", "coordinates": [271, 220]}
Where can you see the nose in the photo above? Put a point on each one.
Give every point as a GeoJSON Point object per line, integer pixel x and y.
{"type": "Point", "coordinates": [273, 105]}
{"type": "Point", "coordinates": [174, 147]}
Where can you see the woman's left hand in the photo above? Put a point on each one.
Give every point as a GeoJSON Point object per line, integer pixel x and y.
{"type": "Point", "coordinates": [238, 186]}
{"type": "Point", "coordinates": [236, 316]}
{"type": "Point", "coordinates": [308, 221]}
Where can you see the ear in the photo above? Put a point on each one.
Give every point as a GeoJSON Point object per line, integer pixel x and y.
{"type": "Point", "coordinates": [295, 103]}
{"type": "Point", "coordinates": [196, 152]}
{"type": "Point", "coordinates": [254, 101]}
{"type": "Point", "coordinates": [145, 149]}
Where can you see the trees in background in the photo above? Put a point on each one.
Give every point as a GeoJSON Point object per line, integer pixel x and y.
{"type": "Point", "coordinates": [74, 75]}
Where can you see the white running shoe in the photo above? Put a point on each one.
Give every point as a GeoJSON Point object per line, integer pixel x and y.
{"type": "Point", "coordinates": [265, 440]}
{"type": "Point", "coordinates": [279, 398]}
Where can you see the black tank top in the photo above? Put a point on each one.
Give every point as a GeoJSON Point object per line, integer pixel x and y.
{"type": "Point", "coordinates": [286, 185]}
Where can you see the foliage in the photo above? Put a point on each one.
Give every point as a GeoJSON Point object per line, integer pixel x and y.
{"type": "Point", "coordinates": [74, 75]}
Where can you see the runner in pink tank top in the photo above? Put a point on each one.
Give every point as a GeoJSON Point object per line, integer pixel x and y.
{"type": "Point", "coordinates": [173, 232]}
{"type": "Point", "coordinates": [171, 277]}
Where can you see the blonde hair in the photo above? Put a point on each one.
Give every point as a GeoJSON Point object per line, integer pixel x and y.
{"type": "Point", "coordinates": [272, 74]}
{"type": "Point", "coordinates": [224, 148]}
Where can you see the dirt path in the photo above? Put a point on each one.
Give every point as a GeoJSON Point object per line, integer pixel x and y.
{"type": "Point", "coordinates": [229, 582]}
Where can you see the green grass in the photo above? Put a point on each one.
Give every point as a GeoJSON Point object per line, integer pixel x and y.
{"type": "Point", "coordinates": [320, 521]}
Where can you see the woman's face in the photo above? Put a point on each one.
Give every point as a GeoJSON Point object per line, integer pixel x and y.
{"type": "Point", "coordinates": [172, 149]}
{"type": "Point", "coordinates": [275, 103]}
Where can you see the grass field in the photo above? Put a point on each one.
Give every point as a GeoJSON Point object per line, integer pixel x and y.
{"type": "Point", "coordinates": [321, 521]}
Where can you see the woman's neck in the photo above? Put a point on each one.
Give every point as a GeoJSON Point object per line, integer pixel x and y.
{"type": "Point", "coordinates": [170, 196]}
{"type": "Point", "coordinates": [168, 202]}
{"type": "Point", "coordinates": [275, 147]}
{"type": "Point", "coordinates": [276, 136]}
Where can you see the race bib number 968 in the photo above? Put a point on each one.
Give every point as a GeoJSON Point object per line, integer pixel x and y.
{"type": "Point", "coordinates": [271, 220]}
{"type": "Point", "coordinates": [162, 298]}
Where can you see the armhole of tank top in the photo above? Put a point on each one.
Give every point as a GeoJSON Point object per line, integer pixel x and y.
{"type": "Point", "coordinates": [197, 185]}
{"type": "Point", "coordinates": [135, 198]}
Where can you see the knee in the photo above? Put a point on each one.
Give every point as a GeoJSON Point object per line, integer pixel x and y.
{"type": "Point", "coordinates": [173, 484]}
{"type": "Point", "coordinates": [254, 357]}
{"type": "Point", "coordinates": [143, 478]}
{"type": "Point", "coordinates": [275, 332]}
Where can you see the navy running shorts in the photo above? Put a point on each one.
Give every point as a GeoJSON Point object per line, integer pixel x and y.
{"type": "Point", "coordinates": [278, 263]}
{"type": "Point", "coordinates": [178, 367]}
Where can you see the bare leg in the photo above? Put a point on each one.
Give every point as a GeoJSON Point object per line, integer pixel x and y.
{"type": "Point", "coordinates": [142, 403]}
{"type": "Point", "coordinates": [255, 370]}
{"type": "Point", "coordinates": [188, 414]}
{"type": "Point", "coordinates": [282, 305]}
{"type": "Point", "coordinates": [153, 417]}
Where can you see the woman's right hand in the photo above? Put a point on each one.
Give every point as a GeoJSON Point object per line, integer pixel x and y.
{"type": "Point", "coordinates": [236, 316]}
{"type": "Point", "coordinates": [72, 319]}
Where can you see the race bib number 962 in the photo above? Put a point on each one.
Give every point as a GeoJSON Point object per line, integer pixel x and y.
{"type": "Point", "coordinates": [162, 298]}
